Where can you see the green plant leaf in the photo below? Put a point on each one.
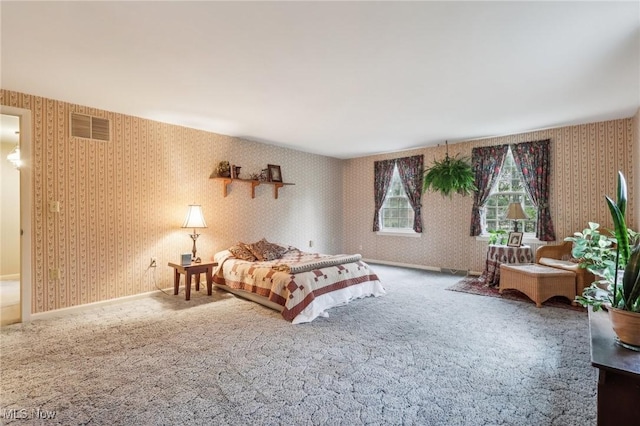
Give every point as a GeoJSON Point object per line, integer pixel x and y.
{"type": "Point", "coordinates": [449, 176]}
{"type": "Point", "coordinates": [631, 280]}
{"type": "Point", "coordinates": [620, 229]}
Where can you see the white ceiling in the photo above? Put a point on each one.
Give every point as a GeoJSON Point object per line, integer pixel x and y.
{"type": "Point", "coordinates": [343, 79]}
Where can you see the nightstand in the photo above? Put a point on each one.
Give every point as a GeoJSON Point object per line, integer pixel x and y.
{"type": "Point", "coordinates": [190, 270]}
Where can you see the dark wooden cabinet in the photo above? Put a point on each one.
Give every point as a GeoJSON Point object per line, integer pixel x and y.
{"type": "Point", "coordinates": [619, 374]}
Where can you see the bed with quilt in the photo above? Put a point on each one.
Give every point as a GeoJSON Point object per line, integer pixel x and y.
{"type": "Point", "coordinates": [301, 285]}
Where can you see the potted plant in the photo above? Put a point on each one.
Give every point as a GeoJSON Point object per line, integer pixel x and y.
{"type": "Point", "coordinates": [497, 236]}
{"type": "Point", "coordinates": [451, 175]}
{"type": "Point", "coordinates": [622, 299]}
{"type": "Point", "coordinates": [595, 252]}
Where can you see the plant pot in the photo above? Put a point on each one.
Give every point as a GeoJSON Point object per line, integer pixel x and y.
{"type": "Point", "coordinates": [626, 325]}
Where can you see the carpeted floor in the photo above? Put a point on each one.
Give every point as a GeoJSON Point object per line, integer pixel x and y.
{"type": "Point", "coordinates": [420, 355]}
{"type": "Point", "coordinates": [474, 285]}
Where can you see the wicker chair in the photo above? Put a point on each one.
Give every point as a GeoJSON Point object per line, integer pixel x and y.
{"type": "Point", "coordinates": [558, 256]}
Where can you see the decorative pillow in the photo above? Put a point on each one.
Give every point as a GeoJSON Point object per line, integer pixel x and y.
{"type": "Point", "coordinates": [263, 250]}
{"type": "Point", "coordinates": [241, 251]}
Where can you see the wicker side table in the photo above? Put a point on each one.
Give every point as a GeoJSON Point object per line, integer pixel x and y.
{"type": "Point", "coordinates": [538, 282]}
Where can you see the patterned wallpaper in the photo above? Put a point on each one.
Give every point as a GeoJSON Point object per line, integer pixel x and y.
{"type": "Point", "coordinates": [124, 201]}
{"type": "Point", "coordinates": [585, 162]}
{"type": "Point", "coordinates": [636, 139]}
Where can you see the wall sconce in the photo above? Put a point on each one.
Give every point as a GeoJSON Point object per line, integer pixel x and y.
{"type": "Point", "coordinates": [194, 219]}
{"type": "Point", "coordinates": [515, 213]}
{"type": "Point", "coordinates": [14, 157]}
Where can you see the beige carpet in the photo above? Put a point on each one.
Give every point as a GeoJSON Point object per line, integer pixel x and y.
{"type": "Point", "coordinates": [419, 355]}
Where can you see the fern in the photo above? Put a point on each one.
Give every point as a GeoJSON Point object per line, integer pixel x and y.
{"type": "Point", "coordinates": [449, 176]}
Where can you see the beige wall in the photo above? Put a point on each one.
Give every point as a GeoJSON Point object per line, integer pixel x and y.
{"type": "Point", "coordinates": [124, 201]}
{"type": "Point", "coordinates": [585, 161]}
{"type": "Point", "coordinates": [9, 214]}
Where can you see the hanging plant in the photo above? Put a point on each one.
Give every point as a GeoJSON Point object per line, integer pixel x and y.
{"type": "Point", "coordinates": [451, 175]}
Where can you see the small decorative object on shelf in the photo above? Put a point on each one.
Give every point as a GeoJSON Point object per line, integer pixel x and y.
{"type": "Point", "coordinates": [223, 169]}
{"type": "Point", "coordinates": [254, 176]}
{"type": "Point", "coordinates": [275, 175]}
{"type": "Point", "coordinates": [264, 175]}
{"type": "Point", "coordinates": [235, 171]}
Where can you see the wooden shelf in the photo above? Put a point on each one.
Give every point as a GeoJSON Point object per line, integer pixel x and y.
{"type": "Point", "coordinates": [227, 181]}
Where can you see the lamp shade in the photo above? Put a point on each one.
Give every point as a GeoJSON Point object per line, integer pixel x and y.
{"type": "Point", "coordinates": [194, 218]}
{"type": "Point", "coordinates": [515, 212]}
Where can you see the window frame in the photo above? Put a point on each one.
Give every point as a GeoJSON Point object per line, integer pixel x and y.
{"type": "Point", "coordinates": [408, 231]}
{"type": "Point", "coordinates": [522, 197]}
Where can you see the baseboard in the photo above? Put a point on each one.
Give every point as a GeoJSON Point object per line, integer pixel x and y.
{"type": "Point", "coordinates": [423, 267]}
{"type": "Point", "coordinates": [57, 313]}
{"type": "Point", "coordinates": [10, 277]}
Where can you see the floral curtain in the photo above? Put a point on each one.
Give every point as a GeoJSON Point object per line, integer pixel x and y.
{"type": "Point", "coordinates": [487, 162]}
{"type": "Point", "coordinates": [532, 158]}
{"type": "Point", "coordinates": [411, 170]}
{"type": "Point", "coordinates": [383, 171]}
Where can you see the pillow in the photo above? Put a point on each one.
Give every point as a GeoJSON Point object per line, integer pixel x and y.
{"type": "Point", "coordinates": [263, 250]}
{"type": "Point", "coordinates": [241, 251]}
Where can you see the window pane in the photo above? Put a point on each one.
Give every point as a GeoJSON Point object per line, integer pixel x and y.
{"type": "Point", "coordinates": [396, 209]}
{"type": "Point", "coordinates": [509, 188]}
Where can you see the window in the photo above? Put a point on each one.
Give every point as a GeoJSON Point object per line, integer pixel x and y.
{"type": "Point", "coordinates": [396, 212]}
{"type": "Point", "coordinates": [509, 188]}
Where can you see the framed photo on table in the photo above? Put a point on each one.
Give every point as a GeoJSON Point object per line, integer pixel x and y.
{"type": "Point", "coordinates": [515, 239]}
{"type": "Point", "coordinates": [274, 173]}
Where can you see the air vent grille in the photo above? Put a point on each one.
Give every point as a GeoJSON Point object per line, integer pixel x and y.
{"type": "Point", "coordinates": [86, 126]}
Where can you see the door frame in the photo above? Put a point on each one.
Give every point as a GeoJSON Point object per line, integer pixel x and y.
{"type": "Point", "coordinates": [26, 202]}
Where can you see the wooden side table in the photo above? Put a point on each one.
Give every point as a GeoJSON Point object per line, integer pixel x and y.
{"type": "Point", "coordinates": [189, 271]}
{"type": "Point", "coordinates": [618, 377]}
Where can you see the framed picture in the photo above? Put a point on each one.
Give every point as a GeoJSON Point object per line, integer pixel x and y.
{"type": "Point", "coordinates": [515, 239]}
{"type": "Point", "coordinates": [274, 173]}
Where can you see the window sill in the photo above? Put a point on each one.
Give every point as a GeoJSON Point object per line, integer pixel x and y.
{"type": "Point", "coordinates": [525, 239]}
{"type": "Point", "coordinates": [399, 233]}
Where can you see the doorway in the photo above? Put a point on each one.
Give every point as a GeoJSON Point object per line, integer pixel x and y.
{"type": "Point", "coordinates": [15, 215]}
{"type": "Point", "coordinates": [9, 219]}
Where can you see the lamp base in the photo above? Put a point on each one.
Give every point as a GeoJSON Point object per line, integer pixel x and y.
{"type": "Point", "coordinates": [194, 258]}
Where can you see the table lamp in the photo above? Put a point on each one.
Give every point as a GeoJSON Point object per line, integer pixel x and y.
{"type": "Point", "coordinates": [515, 212]}
{"type": "Point", "coordinates": [194, 219]}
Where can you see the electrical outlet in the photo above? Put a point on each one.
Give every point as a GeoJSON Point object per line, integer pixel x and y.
{"type": "Point", "coordinates": [153, 263]}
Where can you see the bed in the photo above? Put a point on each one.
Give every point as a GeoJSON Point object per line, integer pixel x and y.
{"type": "Point", "coordinates": [300, 285]}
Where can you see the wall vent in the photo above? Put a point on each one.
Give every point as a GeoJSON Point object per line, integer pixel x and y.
{"type": "Point", "coordinates": [86, 126]}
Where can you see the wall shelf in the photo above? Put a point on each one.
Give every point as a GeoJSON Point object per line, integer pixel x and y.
{"type": "Point", "coordinates": [227, 181]}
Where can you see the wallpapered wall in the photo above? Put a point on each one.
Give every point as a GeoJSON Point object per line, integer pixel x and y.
{"type": "Point", "coordinates": [636, 139]}
{"type": "Point", "coordinates": [585, 161]}
{"type": "Point", "coordinates": [124, 201]}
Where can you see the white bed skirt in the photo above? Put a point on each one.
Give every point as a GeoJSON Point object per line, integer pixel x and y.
{"type": "Point", "coordinates": [319, 306]}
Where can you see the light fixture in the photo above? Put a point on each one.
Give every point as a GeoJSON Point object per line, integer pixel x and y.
{"type": "Point", "coordinates": [194, 219]}
{"type": "Point", "coordinates": [14, 157]}
{"type": "Point", "coordinates": [515, 213]}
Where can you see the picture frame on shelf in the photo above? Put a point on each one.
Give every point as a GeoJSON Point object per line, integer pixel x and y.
{"type": "Point", "coordinates": [515, 239]}
{"type": "Point", "coordinates": [274, 173]}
